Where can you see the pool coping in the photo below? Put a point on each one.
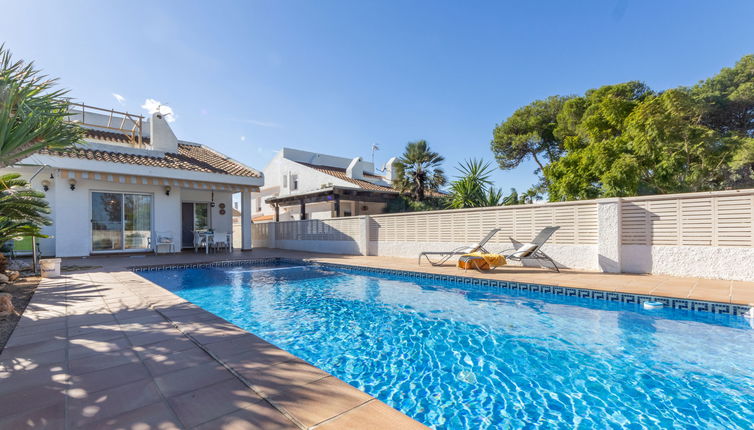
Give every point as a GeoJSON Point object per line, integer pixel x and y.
{"type": "Point", "coordinates": [585, 293]}
{"type": "Point", "coordinates": [369, 412]}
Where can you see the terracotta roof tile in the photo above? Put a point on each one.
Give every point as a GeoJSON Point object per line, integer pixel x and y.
{"type": "Point", "coordinates": [189, 157]}
{"type": "Point", "coordinates": [341, 174]}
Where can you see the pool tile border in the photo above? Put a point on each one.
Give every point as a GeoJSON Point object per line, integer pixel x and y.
{"type": "Point", "coordinates": [612, 296]}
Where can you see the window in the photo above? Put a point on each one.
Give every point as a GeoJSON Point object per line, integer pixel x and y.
{"type": "Point", "coordinates": [294, 182]}
{"type": "Point", "coordinates": [259, 204]}
{"type": "Point", "coordinates": [285, 181]}
{"type": "Point", "coordinates": [121, 221]}
{"type": "Point", "coordinates": [346, 213]}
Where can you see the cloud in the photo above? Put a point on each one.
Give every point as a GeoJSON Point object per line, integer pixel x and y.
{"type": "Point", "coordinates": [121, 100]}
{"type": "Point", "coordinates": [243, 138]}
{"type": "Point", "coordinates": [257, 122]}
{"type": "Point", "coordinates": [153, 106]}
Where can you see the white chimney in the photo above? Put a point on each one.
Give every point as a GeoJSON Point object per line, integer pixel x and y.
{"type": "Point", "coordinates": [389, 168]}
{"type": "Point", "coordinates": [161, 136]}
{"type": "Point", "coordinates": [355, 170]}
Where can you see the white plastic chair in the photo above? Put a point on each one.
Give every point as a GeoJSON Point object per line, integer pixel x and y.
{"type": "Point", "coordinates": [199, 241]}
{"type": "Point", "coordinates": [222, 240]}
{"type": "Point", "coordinates": [165, 241]}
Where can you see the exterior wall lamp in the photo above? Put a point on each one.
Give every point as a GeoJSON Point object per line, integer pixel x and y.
{"type": "Point", "coordinates": [46, 185]}
{"type": "Point", "coordinates": [167, 190]}
{"type": "Point", "coordinates": [72, 183]}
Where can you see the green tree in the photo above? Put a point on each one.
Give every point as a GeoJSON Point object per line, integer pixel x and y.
{"type": "Point", "coordinates": [675, 151]}
{"type": "Point", "coordinates": [33, 115]}
{"type": "Point", "coordinates": [22, 210]}
{"type": "Point", "coordinates": [598, 160]}
{"type": "Point", "coordinates": [473, 187]}
{"type": "Point", "coordinates": [529, 133]}
{"type": "Point", "coordinates": [727, 101]}
{"type": "Point", "coordinates": [418, 171]}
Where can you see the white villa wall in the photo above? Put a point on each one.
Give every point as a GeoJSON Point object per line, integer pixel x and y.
{"type": "Point", "coordinates": [286, 163]}
{"type": "Point", "coordinates": [71, 210]}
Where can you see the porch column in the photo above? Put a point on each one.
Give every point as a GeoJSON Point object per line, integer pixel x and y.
{"type": "Point", "coordinates": [245, 220]}
{"type": "Point", "coordinates": [336, 205]}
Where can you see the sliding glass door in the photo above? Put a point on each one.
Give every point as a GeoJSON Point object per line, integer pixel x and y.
{"type": "Point", "coordinates": [121, 221]}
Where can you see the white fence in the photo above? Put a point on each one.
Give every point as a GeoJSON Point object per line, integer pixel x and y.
{"type": "Point", "coordinates": [696, 234]}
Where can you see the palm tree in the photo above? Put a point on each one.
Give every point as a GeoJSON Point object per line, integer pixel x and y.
{"type": "Point", "coordinates": [418, 170]}
{"type": "Point", "coordinates": [22, 210]}
{"type": "Point", "coordinates": [33, 116]}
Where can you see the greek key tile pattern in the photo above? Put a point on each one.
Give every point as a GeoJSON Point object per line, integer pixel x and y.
{"type": "Point", "coordinates": [675, 303]}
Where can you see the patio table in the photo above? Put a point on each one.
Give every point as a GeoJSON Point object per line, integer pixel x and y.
{"type": "Point", "coordinates": [207, 236]}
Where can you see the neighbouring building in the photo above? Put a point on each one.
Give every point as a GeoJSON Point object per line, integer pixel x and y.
{"type": "Point", "coordinates": [307, 185]}
{"type": "Point", "coordinates": [131, 182]}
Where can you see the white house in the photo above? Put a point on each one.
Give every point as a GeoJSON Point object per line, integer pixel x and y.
{"type": "Point", "coordinates": [308, 185]}
{"type": "Point", "coordinates": [133, 181]}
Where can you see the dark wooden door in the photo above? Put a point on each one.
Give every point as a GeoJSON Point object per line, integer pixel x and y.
{"type": "Point", "coordinates": [187, 224]}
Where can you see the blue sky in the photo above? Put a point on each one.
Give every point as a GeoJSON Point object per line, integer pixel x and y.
{"type": "Point", "coordinates": [250, 77]}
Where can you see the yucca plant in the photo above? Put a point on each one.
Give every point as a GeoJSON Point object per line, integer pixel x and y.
{"type": "Point", "coordinates": [473, 187]}
{"type": "Point", "coordinates": [22, 210]}
{"type": "Point", "coordinates": [33, 115]}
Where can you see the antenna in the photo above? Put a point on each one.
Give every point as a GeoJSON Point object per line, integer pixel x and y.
{"type": "Point", "coordinates": [375, 147]}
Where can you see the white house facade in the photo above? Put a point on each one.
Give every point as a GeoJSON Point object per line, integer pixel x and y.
{"type": "Point", "coordinates": [132, 183]}
{"type": "Point", "coordinates": [308, 185]}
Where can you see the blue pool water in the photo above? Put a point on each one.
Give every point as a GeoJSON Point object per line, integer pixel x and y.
{"type": "Point", "coordinates": [459, 356]}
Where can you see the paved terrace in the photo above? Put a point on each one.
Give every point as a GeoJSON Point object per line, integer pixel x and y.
{"type": "Point", "coordinates": [104, 348]}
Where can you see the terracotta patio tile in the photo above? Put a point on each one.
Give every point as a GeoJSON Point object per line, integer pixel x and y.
{"type": "Point", "coordinates": [320, 400]}
{"type": "Point", "coordinates": [742, 293]}
{"type": "Point", "coordinates": [19, 339]}
{"type": "Point", "coordinates": [104, 360]}
{"type": "Point", "coordinates": [258, 416]}
{"type": "Point", "coordinates": [720, 293]}
{"type": "Point", "coordinates": [109, 403]}
{"type": "Point", "coordinates": [372, 415]}
{"type": "Point", "coordinates": [265, 354]}
{"type": "Point", "coordinates": [236, 344]}
{"type": "Point", "coordinates": [41, 346]}
{"type": "Point", "coordinates": [80, 348]}
{"type": "Point", "coordinates": [154, 416]}
{"type": "Point", "coordinates": [23, 399]}
{"type": "Point", "coordinates": [108, 378]}
{"type": "Point", "coordinates": [148, 335]}
{"type": "Point", "coordinates": [47, 417]}
{"type": "Point", "coordinates": [210, 402]}
{"type": "Point", "coordinates": [161, 364]}
{"type": "Point", "coordinates": [272, 379]}
{"type": "Point", "coordinates": [192, 378]}
{"type": "Point", "coordinates": [165, 347]}
{"type": "Point", "coordinates": [31, 361]}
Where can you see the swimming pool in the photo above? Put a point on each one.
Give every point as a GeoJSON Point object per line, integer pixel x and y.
{"type": "Point", "coordinates": [461, 356]}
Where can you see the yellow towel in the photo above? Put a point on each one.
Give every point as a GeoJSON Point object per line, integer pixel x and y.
{"type": "Point", "coordinates": [490, 261]}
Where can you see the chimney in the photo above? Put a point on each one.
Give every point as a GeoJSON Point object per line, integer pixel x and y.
{"type": "Point", "coordinates": [161, 135]}
{"type": "Point", "coordinates": [389, 168]}
{"type": "Point", "coordinates": [355, 170]}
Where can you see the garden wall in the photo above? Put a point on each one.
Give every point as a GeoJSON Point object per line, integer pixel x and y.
{"type": "Point", "coordinates": [696, 234]}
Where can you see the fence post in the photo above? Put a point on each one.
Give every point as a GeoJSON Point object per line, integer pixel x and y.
{"type": "Point", "coordinates": [609, 235]}
{"type": "Point", "coordinates": [364, 235]}
{"type": "Point", "coordinates": [271, 236]}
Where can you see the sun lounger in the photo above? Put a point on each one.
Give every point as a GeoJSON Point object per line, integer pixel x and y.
{"type": "Point", "coordinates": [533, 249]}
{"type": "Point", "coordinates": [447, 255]}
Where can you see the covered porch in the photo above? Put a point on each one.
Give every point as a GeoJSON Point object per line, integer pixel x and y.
{"type": "Point", "coordinates": [331, 202]}
{"type": "Point", "coordinates": [98, 213]}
